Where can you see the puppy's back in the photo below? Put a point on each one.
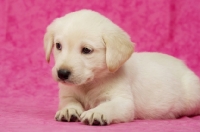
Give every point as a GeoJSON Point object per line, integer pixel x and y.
{"type": "Point", "coordinates": [163, 86]}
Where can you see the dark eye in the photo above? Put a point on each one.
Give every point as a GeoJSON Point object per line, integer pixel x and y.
{"type": "Point", "coordinates": [86, 50]}
{"type": "Point", "coordinates": [58, 46]}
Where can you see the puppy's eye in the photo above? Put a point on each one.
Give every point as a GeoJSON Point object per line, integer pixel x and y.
{"type": "Point", "coordinates": [86, 50]}
{"type": "Point", "coordinates": [58, 46]}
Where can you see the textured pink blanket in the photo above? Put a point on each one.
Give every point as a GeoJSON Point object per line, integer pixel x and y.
{"type": "Point", "coordinates": [28, 94]}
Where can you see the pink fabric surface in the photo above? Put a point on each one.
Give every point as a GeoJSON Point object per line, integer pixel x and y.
{"type": "Point", "coordinates": [28, 94]}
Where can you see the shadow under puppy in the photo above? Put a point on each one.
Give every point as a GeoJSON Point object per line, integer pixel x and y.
{"type": "Point", "coordinates": [102, 82]}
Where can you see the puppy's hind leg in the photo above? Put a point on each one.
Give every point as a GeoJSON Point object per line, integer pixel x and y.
{"type": "Point", "coordinates": [191, 85]}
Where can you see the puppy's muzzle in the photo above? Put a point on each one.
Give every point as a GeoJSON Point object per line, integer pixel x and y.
{"type": "Point", "coordinates": [63, 74]}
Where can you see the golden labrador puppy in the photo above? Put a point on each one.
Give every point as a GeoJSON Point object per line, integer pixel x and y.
{"type": "Point", "coordinates": [102, 82]}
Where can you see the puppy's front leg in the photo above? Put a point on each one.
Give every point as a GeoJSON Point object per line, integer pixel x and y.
{"type": "Point", "coordinates": [117, 110]}
{"type": "Point", "coordinates": [70, 110]}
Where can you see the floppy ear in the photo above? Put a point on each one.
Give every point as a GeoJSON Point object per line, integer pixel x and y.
{"type": "Point", "coordinates": [48, 43]}
{"type": "Point", "coordinates": [118, 48]}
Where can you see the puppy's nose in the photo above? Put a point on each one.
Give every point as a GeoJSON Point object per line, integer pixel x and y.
{"type": "Point", "coordinates": [63, 74]}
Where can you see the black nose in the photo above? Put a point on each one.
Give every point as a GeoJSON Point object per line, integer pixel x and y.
{"type": "Point", "coordinates": [63, 74]}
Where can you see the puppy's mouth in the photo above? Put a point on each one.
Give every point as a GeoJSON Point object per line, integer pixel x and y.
{"type": "Point", "coordinates": [66, 82]}
{"type": "Point", "coordinates": [72, 83]}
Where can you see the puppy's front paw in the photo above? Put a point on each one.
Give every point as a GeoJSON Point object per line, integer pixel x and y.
{"type": "Point", "coordinates": [68, 114]}
{"type": "Point", "coordinates": [93, 117]}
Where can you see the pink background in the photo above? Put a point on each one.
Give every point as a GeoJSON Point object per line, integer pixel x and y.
{"type": "Point", "coordinates": [28, 94]}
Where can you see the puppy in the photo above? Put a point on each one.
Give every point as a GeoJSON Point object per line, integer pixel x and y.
{"type": "Point", "coordinates": [102, 82]}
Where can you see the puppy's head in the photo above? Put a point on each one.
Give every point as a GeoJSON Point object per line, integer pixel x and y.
{"type": "Point", "coordinates": [86, 45]}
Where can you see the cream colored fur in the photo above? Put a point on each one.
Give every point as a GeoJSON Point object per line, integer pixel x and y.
{"type": "Point", "coordinates": [112, 85]}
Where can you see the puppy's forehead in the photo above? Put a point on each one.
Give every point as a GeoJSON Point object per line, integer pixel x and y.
{"type": "Point", "coordinates": [83, 21]}
{"type": "Point", "coordinates": [80, 27]}
{"type": "Point", "coordinates": [77, 38]}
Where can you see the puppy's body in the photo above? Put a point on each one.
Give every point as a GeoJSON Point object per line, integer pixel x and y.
{"type": "Point", "coordinates": [162, 88]}
{"type": "Point", "coordinates": [108, 84]}
{"type": "Point", "coordinates": [159, 89]}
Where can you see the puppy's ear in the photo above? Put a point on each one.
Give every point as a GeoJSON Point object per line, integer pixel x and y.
{"type": "Point", "coordinates": [48, 42]}
{"type": "Point", "coordinates": [118, 48]}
